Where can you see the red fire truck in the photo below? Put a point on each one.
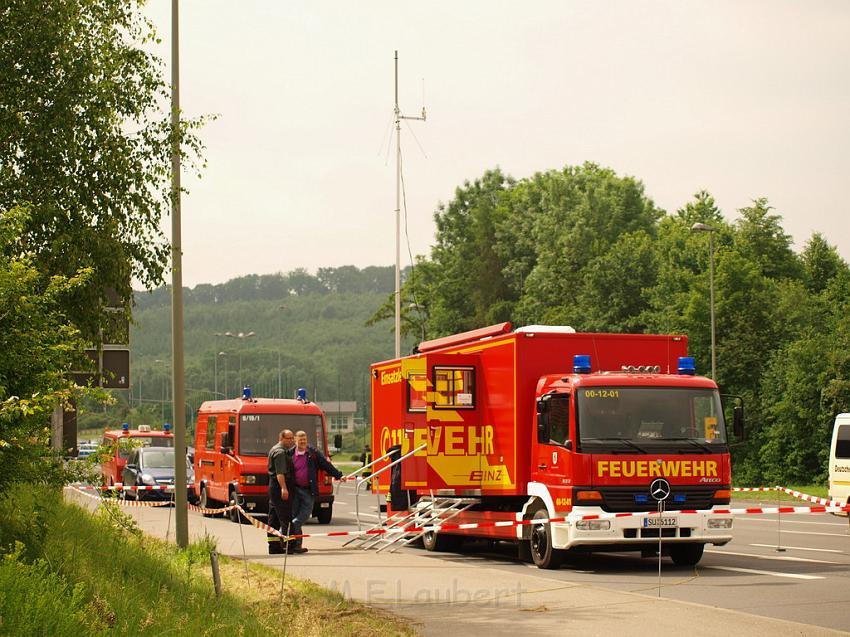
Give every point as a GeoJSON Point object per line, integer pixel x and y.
{"type": "Point", "coordinates": [120, 443]}
{"type": "Point", "coordinates": [544, 422]}
{"type": "Point", "coordinates": [232, 442]}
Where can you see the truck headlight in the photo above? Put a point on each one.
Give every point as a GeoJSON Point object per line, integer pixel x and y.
{"type": "Point", "coordinates": [249, 478]}
{"type": "Point", "coordinates": [593, 525]}
{"type": "Point", "coordinates": [720, 523]}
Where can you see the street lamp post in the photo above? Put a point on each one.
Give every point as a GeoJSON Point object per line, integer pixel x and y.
{"type": "Point", "coordinates": [164, 395]}
{"type": "Point", "coordinates": [241, 336]}
{"type": "Point", "coordinates": [224, 355]}
{"type": "Point", "coordinates": [701, 227]}
{"type": "Point", "coordinates": [282, 308]}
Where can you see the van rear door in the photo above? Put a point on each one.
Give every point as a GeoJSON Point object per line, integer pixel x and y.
{"type": "Point", "coordinates": [839, 460]}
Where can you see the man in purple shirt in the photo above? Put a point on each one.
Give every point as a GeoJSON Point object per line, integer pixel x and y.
{"type": "Point", "coordinates": [306, 461]}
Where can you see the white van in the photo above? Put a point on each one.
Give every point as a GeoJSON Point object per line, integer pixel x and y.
{"type": "Point", "coordinates": [839, 460]}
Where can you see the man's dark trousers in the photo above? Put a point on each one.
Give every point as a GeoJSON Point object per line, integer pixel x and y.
{"type": "Point", "coordinates": [280, 515]}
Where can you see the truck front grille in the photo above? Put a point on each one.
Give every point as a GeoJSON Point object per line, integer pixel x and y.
{"type": "Point", "coordinates": [635, 499]}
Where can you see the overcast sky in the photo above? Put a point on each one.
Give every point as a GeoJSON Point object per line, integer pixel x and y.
{"type": "Point", "coordinates": [744, 99]}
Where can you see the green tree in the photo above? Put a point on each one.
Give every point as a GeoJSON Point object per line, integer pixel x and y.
{"type": "Point", "coordinates": [38, 346]}
{"type": "Point", "coordinates": [86, 139]}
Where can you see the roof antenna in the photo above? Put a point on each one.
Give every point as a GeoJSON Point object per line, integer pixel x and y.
{"type": "Point", "coordinates": [398, 118]}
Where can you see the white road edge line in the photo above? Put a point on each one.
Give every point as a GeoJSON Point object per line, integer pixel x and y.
{"type": "Point", "coordinates": [784, 558]}
{"type": "Point", "coordinates": [798, 548]}
{"type": "Point", "coordinates": [753, 571]}
{"type": "Point", "coordinates": [785, 520]}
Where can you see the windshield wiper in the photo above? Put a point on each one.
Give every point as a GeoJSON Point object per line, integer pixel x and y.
{"type": "Point", "coordinates": [625, 441]}
{"type": "Point", "coordinates": [696, 443]}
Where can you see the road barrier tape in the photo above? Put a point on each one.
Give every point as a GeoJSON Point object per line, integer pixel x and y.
{"type": "Point", "coordinates": [797, 494]}
{"type": "Point", "coordinates": [510, 523]}
{"type": "Point", "coordinates": [129, 503]}
{"type": "Point", "coordinates": [827, 506]}
{"type": "Point", "coordinates": [202, 510]}
{"type": "Point", "coordinates": [121, 487]}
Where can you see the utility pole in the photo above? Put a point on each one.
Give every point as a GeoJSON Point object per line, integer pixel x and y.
{"type": "Point", "coordinates": [181, 512]}
{"type": "Point", "coordinates": [398, 118]}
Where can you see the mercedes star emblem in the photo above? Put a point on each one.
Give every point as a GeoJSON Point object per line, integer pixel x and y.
{"type": "Point", "coordinates": [659, 489]}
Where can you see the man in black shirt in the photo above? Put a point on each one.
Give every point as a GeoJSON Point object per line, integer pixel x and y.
{"type": "Point", "coordinates": [281, 482]}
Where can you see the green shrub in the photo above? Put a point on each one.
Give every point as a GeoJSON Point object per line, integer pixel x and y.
{"type": "Point", "coordinates": [36, 601]}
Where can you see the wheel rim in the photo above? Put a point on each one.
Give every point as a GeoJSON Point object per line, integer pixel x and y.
{"type": "Point", "coordinates": [539, 541]}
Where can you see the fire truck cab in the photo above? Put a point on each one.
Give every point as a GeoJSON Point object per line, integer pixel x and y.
{"type": "Point", "coordinates": [544, 422]}
{"type": "Point", "coordinates": [120, 442]}
{"type": "Point", "coordinates": [232, 442]}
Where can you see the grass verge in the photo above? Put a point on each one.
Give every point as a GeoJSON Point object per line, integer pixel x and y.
{"type": "Point", "coordinates": [780, 496]}
{"type": "Point", "coordinates": [64, 571]}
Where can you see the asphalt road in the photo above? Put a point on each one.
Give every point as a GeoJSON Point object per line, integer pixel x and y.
{"type": "Point", "coordinates": [808, 582]}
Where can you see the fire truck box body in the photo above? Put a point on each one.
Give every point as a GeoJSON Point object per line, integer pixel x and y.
{"type": "Point", "coordinates": [232, 442]}
{"type": "Point", "coordinates": [475, 400]}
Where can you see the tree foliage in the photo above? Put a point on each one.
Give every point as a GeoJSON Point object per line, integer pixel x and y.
{"type": "Point", "coordinates": [86, 139]}
{"type": "Point", "coordinates": [586, 247]}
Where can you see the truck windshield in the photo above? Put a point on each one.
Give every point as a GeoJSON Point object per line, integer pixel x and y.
{"type": "Point", "coordinates": [259, 432]}
{"type": "Point", "coordinates": [647, 417]}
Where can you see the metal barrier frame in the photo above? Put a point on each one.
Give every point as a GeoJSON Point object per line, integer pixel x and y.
{"type": "Point", "coordinates": [374, 476]}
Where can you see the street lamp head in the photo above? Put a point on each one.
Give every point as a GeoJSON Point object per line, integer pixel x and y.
{"type": "Point", "coordinates": [222, 353]}
{"type": "Point", "coordinates": [702, 227]}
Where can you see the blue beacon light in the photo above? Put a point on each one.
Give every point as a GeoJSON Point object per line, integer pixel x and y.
{"type": "Point", "coordinates": [125, 427]}
{"type": "Point", "coordinates": [581, 364]}
{"type": "Point", "coordinates": [246, 393]}
{"type": "Point", "coordinates": [687, 367]}
{"type": "Point", "coordinates": [301, 394]}
{"type": "Point", "coordinates": [166, 426]}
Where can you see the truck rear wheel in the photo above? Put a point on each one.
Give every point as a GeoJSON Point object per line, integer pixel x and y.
{"type": "Point", "coordinates": [543, 553]}
{"type": "Point", "coordinates": [686, 554]}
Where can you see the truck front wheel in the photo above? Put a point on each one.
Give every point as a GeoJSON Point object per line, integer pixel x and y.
{"type": "Point", "coordinates": [543, 553]}
{"type": "Point", "coordinates": [686, 554]}
{"type": "Point", "coordinates": [324, 515]}
{"type": "Point", "coordinates": [434, 541]}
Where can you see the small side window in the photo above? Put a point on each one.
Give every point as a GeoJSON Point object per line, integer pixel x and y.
{"type": "Point", "coordinates": [417, 387]}
{"type": "Point", "coordinates": [559, 419]}
{"type": "Point", "coordinates": [454, 387]}
{"type": "Point", "coordinates": [210, 432]}
{"type": "Point", "coordinates": [842, 444]}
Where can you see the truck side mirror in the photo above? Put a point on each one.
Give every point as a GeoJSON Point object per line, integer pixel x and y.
{"type": "Point", "coordinates": [224, 442]}
{"type": "Point", "coordinates": [738, 421]}
{"type": "Point", "coordinates": [338, 441]}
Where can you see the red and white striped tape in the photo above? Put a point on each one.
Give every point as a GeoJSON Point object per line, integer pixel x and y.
{"type": "Point", "coordinates": [797, 494]}
{"type": "Point", "coordinates": [129, 503]}
{"type": "Point", "coordinates": [509, 523]}
{"type": "Point", "coordinates": [120, 487]}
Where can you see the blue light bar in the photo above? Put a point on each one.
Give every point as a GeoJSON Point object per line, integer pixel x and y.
{"type": "Point", "coordinates": [680, 498]}
{"type": "Point", "coordinates": [687, 366]}
{"type": "Point", "coordinates": [581, 363]}
{"type": "Point", "coordinates": [246, 393]}
{"type": "Point", "coordinates": [641, 499]}
{"type": "Point", "coordinates": [301, 394]}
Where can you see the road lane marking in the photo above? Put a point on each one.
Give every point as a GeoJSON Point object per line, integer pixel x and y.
{"type": "Point", "coordinates": [752, 571]}
{"type": "Point", "coordinates": [786, 521]}
{"type": "Point", "coordinates": [786, 531]}
{"type": "Point", "coordinates": [785, 558]}
{"type": "Point", "coordinates": [798, 548]}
